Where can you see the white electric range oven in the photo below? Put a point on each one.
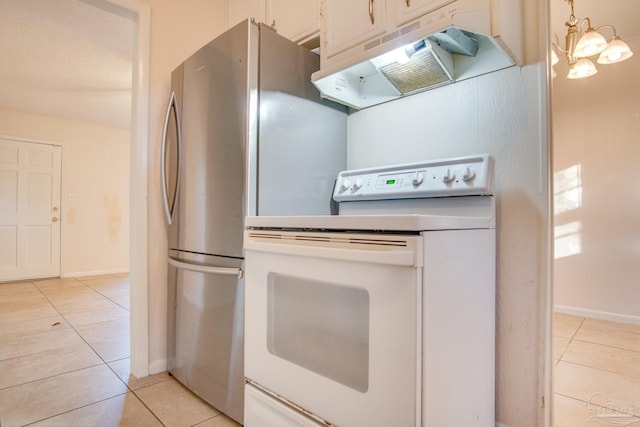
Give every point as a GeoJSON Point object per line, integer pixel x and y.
{"type": "Point", "coordinates": [383, 315]}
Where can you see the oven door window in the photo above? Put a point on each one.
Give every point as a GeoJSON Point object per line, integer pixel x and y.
{"type": "Point", "coordinates": [320, 326]}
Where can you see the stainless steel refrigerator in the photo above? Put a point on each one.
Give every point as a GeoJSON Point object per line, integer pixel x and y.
{"type": "Point", "coordinates": [245, 133]}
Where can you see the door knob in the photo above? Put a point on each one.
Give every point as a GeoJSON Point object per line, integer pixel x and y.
{"type": "Point", "coordinates": [54, 219]}
{"type": "Point", "coordinates": [55, 209]}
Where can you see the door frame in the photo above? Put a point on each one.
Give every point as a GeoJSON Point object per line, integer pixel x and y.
{"type": "Point", "coordinates": [140, 14]}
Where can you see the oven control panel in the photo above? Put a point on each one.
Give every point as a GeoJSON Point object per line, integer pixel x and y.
{"type": "Point", "coordinates": [462, 176]}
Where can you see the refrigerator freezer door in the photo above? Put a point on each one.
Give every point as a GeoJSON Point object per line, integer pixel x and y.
{"type": "Point", "coordinates": [302, 138]}
{"type": "Point", "coordinates": [206, 328]}
{"type": "Point", "coordinates": [209, 215]}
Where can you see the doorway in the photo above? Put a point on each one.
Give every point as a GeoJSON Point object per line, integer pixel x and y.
{"type": "Point", "coordinates": [597, 233]}
{"type": "Point", "coordinates": [138, 13]}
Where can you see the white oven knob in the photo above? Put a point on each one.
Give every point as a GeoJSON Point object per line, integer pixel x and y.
{"type": "Point", "coordinates": [468, 174]}
{"type": "Point", "coordinates": [346, 183]}
{"type": "Point", "coordinates": [418, 178]}
{"type": "Point", "coordinates": [357, 184]}
{"type": "Point", "coordinates": [448, 177]}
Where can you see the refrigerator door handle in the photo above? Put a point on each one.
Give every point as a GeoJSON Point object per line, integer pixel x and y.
{"type": "Point", "coordinates": [170, 207]}
{"type": "Point", "coordinates": [199, 268]}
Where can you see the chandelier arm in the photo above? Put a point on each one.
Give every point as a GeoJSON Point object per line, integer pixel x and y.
{"type": "Point", "coordinates": [615, 34]}
{"type": "Point", "coordinates": [580, 25]}
{"type": "Point", "coordinates": [557, 46]}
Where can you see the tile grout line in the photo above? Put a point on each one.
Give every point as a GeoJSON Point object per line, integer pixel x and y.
{"type": "Point", "coordinates": [585, 403]}
{"type": "Point", "coordinates": [115, 302]}
{"type": "Point", "coordinates": [571, 339]}
{"type": "Point", "coordinates": [601, 370]}
{"type": "Point", "coordinates": [105, 363]}
{"type": "Point", "coordinates": [561, 359]}
{"type": "Point", "coordinates": [74, 409]}
{"type": "Point", "coordinates": [607, 345]}
{"type": "Point", "coordinates": [74, 328]}
{"type": "Point", "coordinates": [145, 404]}
{"type": "Point", "coordinates": [125, 382]}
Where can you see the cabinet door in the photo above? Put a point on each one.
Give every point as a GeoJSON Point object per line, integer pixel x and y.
{"type": "Point", "coordinates": [239, 10]}
{"type": "Point", "coordinates": [412, 9]}
{"type": "Point", "coordinates": [293, 19]}
{"type": "Point", "coordinates": [348, 23]}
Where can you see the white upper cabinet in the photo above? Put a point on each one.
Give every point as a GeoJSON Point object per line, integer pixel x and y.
{"type": "Point", "coordinates": [348, 23]}
{"type": "Point", "coordinates": [296, 20]}
{"type": "Point", "coordinates": [406, 10]}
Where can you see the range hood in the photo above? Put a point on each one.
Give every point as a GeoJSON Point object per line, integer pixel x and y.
{"type": "Point", "coordinates": [424, 54]}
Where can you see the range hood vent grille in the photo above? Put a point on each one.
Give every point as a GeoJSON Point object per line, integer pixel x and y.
{"type": "Point", "coordinates": [372, 44]}
{"type": "Point", "coordinates": [425, 69]}
{"type": "Point", "coordinates": [393, 35]}
{"type": "Point", "coordinates": [410, 28]}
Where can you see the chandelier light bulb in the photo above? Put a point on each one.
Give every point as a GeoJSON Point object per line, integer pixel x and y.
{"type": "Point", "coordinates": [616, 51]}
{"type": "Point", "coordinates": [591, 43]}
{"type": "Point", "coordinates": [581, 69]}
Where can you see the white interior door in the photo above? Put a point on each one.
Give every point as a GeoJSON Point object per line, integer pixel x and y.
{"type": "Point", "coordinates": [29, 210]}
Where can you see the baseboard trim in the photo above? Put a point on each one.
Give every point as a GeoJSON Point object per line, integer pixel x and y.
{"type": "Point", "coordinates": [595, 314]}
{"type": "Point", "coordinates": [157, 366]}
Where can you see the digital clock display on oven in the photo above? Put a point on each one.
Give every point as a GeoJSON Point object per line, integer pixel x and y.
{"type": "Point", "coordinates": [388, 182]}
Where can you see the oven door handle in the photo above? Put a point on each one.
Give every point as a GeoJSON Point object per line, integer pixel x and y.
{"type": "Point", "coordinates": [404, 251]}
{"type": "Point", "coordinates": [208, 269]}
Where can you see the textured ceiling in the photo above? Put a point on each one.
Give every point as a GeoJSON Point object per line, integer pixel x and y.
{"type": "Point", "coordinates": [66, 58]}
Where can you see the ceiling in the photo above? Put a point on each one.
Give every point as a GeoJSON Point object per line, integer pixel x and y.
{"type": "Point", "coordinates": [71, 59]}
{"type": "Point", "coordinates": [66, 58]}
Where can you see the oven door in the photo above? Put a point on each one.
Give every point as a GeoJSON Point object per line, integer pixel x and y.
{"type": "Point", "coordinates": [332, 323]}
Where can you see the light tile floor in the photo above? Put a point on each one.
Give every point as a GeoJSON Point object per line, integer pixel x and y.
{"type": "Point", "coordinates": [64, 361]}
{"type": "Point", "coordinates": [596, 375]}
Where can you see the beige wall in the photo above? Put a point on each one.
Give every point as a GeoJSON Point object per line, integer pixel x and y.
{"type": "Point", "coordinates": [95, 168]}
{"type": "Point", "coordinates": [596, 151]}
{"type": "Point", "coordinates": [178, 29]}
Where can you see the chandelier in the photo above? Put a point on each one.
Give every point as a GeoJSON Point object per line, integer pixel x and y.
{"type": "Point", "coordinates": [583, 41]}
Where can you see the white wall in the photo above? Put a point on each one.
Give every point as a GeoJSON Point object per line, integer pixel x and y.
{"type": "Point", "coordinates": [502, 114]}
{"type": "Point", "coordinates": [95, 167]}
{"type": "Point", "coordinates": [178, 29]}
{"type": "Point", "coordinates": [596, 123]}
